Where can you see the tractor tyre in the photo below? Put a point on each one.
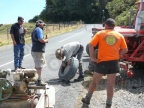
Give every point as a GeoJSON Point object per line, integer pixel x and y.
{"type": "Point", "coordinates": [138, 65]}
{"type": "Point", "coordinates": [87, 49]}
{"type": "Point", "coordinates": [69, 71]}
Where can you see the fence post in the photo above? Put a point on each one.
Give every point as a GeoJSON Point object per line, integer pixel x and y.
{"type": "Point", "coordinates": [64, 24]}
{"type": "Point", "coordinates": [59, 26]}
{"type": "Point", "coordinates": [8, 34]}
{"type": "Point", "coordinates": [53, 27]}
{"type": "Point", "coordinates": [46, 29]}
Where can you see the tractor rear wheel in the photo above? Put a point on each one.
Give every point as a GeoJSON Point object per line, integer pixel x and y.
{"type": "Point", "coordinates": [87, 49]}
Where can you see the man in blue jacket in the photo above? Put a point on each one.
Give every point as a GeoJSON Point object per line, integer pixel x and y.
{"type": "Point", "coordinates": [38, 49]}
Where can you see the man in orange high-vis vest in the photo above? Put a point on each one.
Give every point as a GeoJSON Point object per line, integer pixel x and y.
{"type": "Point", "coordinates": [111, 46]}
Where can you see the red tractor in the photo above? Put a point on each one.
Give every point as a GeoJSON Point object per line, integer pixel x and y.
{"type": "Point", "coordinates": [135, 41]}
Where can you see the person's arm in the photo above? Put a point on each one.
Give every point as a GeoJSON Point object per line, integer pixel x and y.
{"type": "Point", "coordinates": [12, 35]}
{"type": "Point", "coordinates": [123, 47]}
{"type": "Point", "coordinates": [67, 55]}
{"type": "Point", "coordinates": [93, 43]}
{"type": "Point", "coordinates": [44, 40]}
{"type": "Point", "coordinates": [92, 55]}
{"type": "Point", "coordinates": [25, 30]}
{"type": "Point", "coordinates": [41, 37]}
{"type": "Point", "coordinates": [123, 51]}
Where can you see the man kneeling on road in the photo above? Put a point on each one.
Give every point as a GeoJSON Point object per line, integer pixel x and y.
{"type": "Point", "coordinates": [69, 50]}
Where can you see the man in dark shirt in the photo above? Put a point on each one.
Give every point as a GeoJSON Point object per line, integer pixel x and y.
{"type": "Point", "coordinates": [17, 32]}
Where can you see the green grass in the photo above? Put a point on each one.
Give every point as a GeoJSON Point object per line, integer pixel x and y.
{"type": "Point", "coordinates": [50, 30]}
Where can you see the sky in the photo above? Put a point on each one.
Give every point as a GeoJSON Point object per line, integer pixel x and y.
{"type": "Point", "coordinates": [11, 9]}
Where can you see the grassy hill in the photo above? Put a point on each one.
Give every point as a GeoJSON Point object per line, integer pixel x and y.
{"type": "Point", "coordinates": [49, 30]}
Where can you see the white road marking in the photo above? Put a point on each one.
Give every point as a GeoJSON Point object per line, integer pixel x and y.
{"type": "Point", "coordinates": [6, 63]}
{"type": "Point", "coordinates": [30, 54]}
{"type": "Point", "coordinates": [71, 36]}
{"type": "Point", "coordinates": [13, 61]}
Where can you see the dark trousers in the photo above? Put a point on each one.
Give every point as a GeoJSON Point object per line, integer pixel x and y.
{"type": "Point", "coordinates": [79, 57]}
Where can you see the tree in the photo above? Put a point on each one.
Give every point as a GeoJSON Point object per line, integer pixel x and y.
{"type": "Point", "coordinates": [74, 10]}
{"type": "Point", "coordinates": [119, 10]}
{"type": "Point", "coordinates": [34, 19]}
{"type": "Point", "coordinates": [89, 11]}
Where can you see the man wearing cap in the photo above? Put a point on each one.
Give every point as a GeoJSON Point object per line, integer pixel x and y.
{"type": "Point", "coordinates": [111, 46]}
{"type": "Point", "coordinates": [38, 48]}
{"type": "Point", "coordinates": [69, 50]}
{"type": "Point", "coordinates": [18, 32]}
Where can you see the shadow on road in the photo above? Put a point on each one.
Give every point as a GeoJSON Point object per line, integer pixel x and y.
{"type": "Point", "coordinates": [57, 81]}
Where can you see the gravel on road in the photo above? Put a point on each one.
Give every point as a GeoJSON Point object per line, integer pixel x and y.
{"type": "Point", "coordinates": [69, 96]}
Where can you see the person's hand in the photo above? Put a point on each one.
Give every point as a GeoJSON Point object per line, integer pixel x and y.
{"type": "Point", "coordinates": [46, 40]}
{"type": "Point", "coordinates": [94, 60]}
{"type": "Point", "coordinates": [64, 64]}
{"type": "Point", "coordinates": [69, 62]}
{"type": "Point", "coordinates": [121, 56]}
{"type": "Point", "coordinates": [25, 30]}
{"type": "Point", "coordinates": [14, 43]}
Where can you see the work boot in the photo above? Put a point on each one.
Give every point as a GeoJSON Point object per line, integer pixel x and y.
{"type": "Point", "coordinates": [65, 81]}
{"type": "Point", "coordinates": [20, 67]}
{"type": "Point", "coordinates": [80, 78]}
{"type": "Point", "coordinates": [85, 106]}
{"type": "Point", "coordinates": [14, 70]}
{"type": "Point", "coordinates": [85, 101]}
{"type": "Point", "coordinates": [87, 98]}
{"type": "Point", "coordinates": [108, 105]}
{"type": "Point", "coordinates": [40, 83]}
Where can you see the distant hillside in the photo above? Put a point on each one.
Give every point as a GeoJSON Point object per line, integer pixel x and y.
{"type": "Point", "coordinates": [50, 30]}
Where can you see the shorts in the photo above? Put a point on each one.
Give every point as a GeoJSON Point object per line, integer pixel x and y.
{"type": "Point", "coordinates": [107, 67]}
{"type": "Point", "coordinates": [39, 59]}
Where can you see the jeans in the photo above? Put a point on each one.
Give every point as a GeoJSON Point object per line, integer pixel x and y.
{"type": "Point", "coordinates": [18, 55]}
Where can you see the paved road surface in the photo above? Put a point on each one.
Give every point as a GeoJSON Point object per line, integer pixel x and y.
{"type": "Point", "coordinates": [65, 95]}
{"type": "Point", "coordinates": [69, 96]}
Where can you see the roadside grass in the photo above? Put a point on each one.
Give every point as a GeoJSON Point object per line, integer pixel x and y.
{"type": "Point", "coordinates": [50, 30]}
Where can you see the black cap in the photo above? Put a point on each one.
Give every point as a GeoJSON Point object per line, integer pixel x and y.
{"type": "Point", "coordinates": [20, 18]}
{"type": "Point", "coordinates": [39, 21]}
{"type": "Point", "coordinates": [110, 22]}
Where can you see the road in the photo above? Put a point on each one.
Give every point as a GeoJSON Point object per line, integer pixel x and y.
{"type": "Point", "coordinates": [65, 95]}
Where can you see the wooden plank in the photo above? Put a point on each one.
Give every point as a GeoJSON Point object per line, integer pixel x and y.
{"type": "Point", "coordinates": [36, 87]}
